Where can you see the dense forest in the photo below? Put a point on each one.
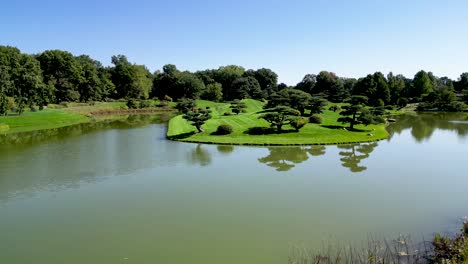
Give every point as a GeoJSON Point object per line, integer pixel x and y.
{"type": "Point", "coordinates": [56, 76]}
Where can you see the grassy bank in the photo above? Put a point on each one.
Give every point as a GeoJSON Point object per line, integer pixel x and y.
{"type": "Point", "coordinates": [441, 249]}
{"type": "Point", "coordinates": [56, 116]}
{"type": "Point", "coordinates": [247, 129]}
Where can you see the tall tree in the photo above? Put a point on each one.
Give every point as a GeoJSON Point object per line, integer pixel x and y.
{"type": "Point", "coordinates": [212, 92]}
{"type": "Point", "coordinates": [280, 116]}
{"type": "Point", "coordinates": [226, 76]}
{"type": "Point", "coordinates": [267, 79]}
{"type": "Point", "coordinates": [308, 83]}
{"type": "Point", "coordinates": [462, 83]}
{"type": "Point", "coordinates": [398, 89]}
{"type": "Point", "coordinates": [293, 98]}
{"type": "Point", "coordinates": [375, 88]}
{"type": "Point", "coordinates": [422, 84]}
{"type": "Point", "coordinates": [131, 80]}
{"type": "Point", "coordinates": [356, 113]}
{"type": "Point", "coordinates": [61, 69]}
{"type": "Point", "coordinates": [246, 87]}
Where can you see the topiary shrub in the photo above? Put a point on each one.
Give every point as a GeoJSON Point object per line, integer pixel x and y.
{"type": "Point", "coordinates": [224, 129]}
{"type": "Point", "coordinates": [315, 119]}
{"type": "Point", "coordinates": [299, 123]}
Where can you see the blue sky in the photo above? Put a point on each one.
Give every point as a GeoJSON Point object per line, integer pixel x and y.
{"type": "Point", "coordinates": [350, 38]}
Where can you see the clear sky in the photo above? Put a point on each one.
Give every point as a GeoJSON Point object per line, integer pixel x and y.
{"type": "Point", "coordinates": [293, 37]}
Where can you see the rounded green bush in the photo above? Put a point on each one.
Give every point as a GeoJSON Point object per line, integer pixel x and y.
{"type": "Point", "coordinates": [224, 129]}
{"type": "Point", "coordinates": [315, 119]}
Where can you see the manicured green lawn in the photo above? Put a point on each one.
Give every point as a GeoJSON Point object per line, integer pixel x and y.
{"type": "Point", "coordinates": [54, 117]}
{"type": "Point", "coordinates": [329, 132]}
{"type": "Point", "coordinates": [46, 119]}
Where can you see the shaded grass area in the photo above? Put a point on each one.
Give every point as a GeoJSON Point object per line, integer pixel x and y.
{"type": "Point", "coordinates": [250, 130]}
{"type": "Point", "coordinates": [57, 116]}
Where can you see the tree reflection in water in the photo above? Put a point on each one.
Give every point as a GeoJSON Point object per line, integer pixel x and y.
{"type": "Point", "coordinates": [200, 156]}
{"type": "Point", "coordinates": [286, 158]}
{"type": "Point", "coordinates": [354, 154]}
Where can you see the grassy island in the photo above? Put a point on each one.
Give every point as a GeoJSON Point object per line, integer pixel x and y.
{"type": "Point", "coordinates": [248, 129]}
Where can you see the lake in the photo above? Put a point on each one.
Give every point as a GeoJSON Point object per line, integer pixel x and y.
{"type": "Point", "coordinates": [119, 192]}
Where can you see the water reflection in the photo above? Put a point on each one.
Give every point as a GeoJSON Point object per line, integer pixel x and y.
{"type": "Point", "coordinates": [200, 156]}
{"type": "Point", "coordinates": [424, 125]}
{"type": "Point", "coordinates": [67, 157]}
{"type": "Point", "coordinates": [286, 158]}
{"type": "Point", "coordinates": [225, 149]}
{"type": "Point", "coordinates": [354, 154]}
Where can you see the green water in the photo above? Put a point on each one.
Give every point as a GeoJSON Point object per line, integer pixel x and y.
{"type": "Point", "coordinates": [118, 192]}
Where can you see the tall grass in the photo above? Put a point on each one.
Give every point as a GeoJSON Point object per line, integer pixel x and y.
{"type": "Point", "coordinates": [375, 251]}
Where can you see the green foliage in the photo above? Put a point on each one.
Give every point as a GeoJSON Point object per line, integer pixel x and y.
{"type": "Point", "coordinates": [185, 105]}
{"type": "Point", "coordinates": [316, 105]}
{"type": "Point", "coordinates": [267, 79]}
{"type": "Point", "coordinates": [308, 83]}
{"type": "Point", "coordinates": [198, 118]}
{"type": "Point", "coordinates": [3, 104]}
{"type": "Point", "coordinates": [212, 92]}
{"type": "Point", "coordinates": [226, 76]}
{"type": "Point", "coordinates": [450, 250]}
{"type": "Point", "coordinates": [132, 104]}
{"type": "Point", "coordinates": [145, 104]}
{"type": "Point", "coordinates": [375, 88]}
{"type": "Point", "coordinates": [298, 123]}
{"type": "Point", "coordinates": [422, 84]}
{"type": "Point", "coordinates": [289, 97]}
{"type": "Point", "coordinates": [4, 127]}
{"type": "Point", "coordinates": [280, 116]}
{"type": "Point", "coordinates": [224, 129]}
{"type": "Point", "coordinates": [246, 87]}
{"type": "Point", "coordinates": [131, 80]}
{"type": "Point", "coordinates": [177, 84]}
{"type": "Point", "coordinates": [237, 106]}
{"type": "Point", "coordinates": [441, 100]}
{"type": "Point", "coordinates": [315, 119]}
{"type": "Point", "coordinates": [334, 108]}
{"type": "Point", "coordinates": [356, 113]}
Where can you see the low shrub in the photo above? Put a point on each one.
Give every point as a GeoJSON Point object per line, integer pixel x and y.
{"type": "Point", "coordinates": [64, 104]}
{"type": "Point", "coordinates": [33, 108]}
{"type": "Point", "coordinates": [228, 113]}
{"type": "Point", "coordinates": [224, 129]}
{"type": "Point", "coordinates": [299, 123]}
{"type": "Point", "coordinates": [315, 119]}
{"type": "Point", "coordinates": [132, 104]}
{"type": "Point", "coordinates": [145, 104]}
{"type": "Point", "coordinates": [389, 107]}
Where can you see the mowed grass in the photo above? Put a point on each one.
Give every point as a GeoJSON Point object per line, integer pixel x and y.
{"type": "Point", "coordinates": [329, 132]}
{"type": "Point", "coordinates": [54, 117]}
{"type": "Point", "coordinates": [46, 119]}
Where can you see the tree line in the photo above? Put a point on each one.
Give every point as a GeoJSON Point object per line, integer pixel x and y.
{"type": "Point", "coordinates": [56, 76]}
